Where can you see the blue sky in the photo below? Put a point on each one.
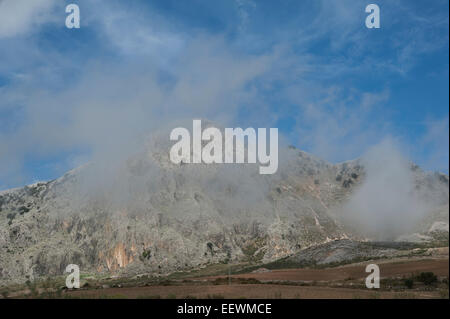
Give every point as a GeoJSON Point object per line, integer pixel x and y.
{"type": "Point", "coordinates": [311, 68]}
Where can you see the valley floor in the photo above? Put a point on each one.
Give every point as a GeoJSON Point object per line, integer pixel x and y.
{"type": "Point", "coordinates": [401, 277]}
{"type": "Point", "coordinates": [252, 291]}
{"type": "Point", "coordinates": [343, 282]}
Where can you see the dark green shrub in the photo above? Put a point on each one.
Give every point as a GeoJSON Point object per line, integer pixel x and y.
{"type": "Point", "coordinates": [428, 278]}
{"type": "Point", "coordinates": [409, 283]}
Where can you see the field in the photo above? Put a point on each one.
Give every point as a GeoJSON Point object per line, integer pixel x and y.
{"type": "Point", "coordinates": [252, 291]}
{"type": "Point", "coordinates": [400, 278]}
{"type": "Point", "coordinates": [404, 277]}
{"type": "Point", "coordinates": [344, 282]}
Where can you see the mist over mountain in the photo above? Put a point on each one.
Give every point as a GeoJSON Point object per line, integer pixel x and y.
{"type": "Point", "coordinates": [143, 214]}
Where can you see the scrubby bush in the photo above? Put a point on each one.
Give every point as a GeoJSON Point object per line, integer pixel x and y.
{"type": "Point", "coordinates": [409, 283]}
{"type": "Point", "coordinates": [428, 278]}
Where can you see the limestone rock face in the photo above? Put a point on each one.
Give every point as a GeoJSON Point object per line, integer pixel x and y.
{"type": "Point", "coordinates": [148, 215]}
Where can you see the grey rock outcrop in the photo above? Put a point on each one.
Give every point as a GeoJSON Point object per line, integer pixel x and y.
{"type": "Point", "coordinates": [148, 215]}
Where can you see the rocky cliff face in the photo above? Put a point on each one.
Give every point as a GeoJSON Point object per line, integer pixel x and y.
{"type": "Point", "coordinates": [147, 215]}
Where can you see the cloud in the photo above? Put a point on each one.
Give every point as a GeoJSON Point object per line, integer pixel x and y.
{"type": "Point", "coordinates": [386, 204]}
{"type": "Point", "coordinates": [18, 17]}
{"type": "Point", "coordinates": [436, 143]}
{"type": "Point", "coordinates": [135, 33]}
{"type": "Point", "coordinates": [338, 125]}
{"type": "Point", "coordinates": [244, 8]}
{"type": "Point", "coordinates": [132, 68]}
{"type": "Point", "coordinates": [111, 109]}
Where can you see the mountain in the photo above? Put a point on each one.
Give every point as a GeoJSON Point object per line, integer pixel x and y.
{"type": "Point", "coordinates": [148, 215]}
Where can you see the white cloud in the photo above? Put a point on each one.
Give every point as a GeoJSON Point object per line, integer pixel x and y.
{"type": "Point", "coordinates": [115, 100]}
{"type": "Point", "coordinates": [135, 33]}
{"type": "Point", "coordinates": [338, 124]}
{"type": "Point", "coordinates": [112, 107]}
{"type": "Point", "coordinates": [386, 204]}
{"type": "Point", "coordinates": [18, 17]}
{"type": "Point", "coordinates": [436, 143]}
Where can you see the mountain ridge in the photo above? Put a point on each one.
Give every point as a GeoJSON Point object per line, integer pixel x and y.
{"type": "Point", "coordinates": [152, 216]}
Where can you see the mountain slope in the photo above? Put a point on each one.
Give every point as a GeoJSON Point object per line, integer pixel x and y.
{"type": "Point", "coordinates": [146, 214]}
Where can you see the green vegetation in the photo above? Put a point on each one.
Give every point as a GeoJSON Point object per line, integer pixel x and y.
{"type": "Point", "coordinates": [409, 283]}
{"type": "Point", "coordinates": [146, 254]}
{"type": "Point", "coordinates": [233, 280]}
{"type": "Point", "coordinates": [253, 251]}
{"type": "Point", "coordinates": [10, 217]}
{"type": "Point", "coordinates": [427, 278]}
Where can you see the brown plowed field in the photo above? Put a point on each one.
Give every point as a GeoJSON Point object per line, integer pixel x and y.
{"type": "Point", "coordinates": [248, 291]}
{"type": "Point", "coordinates": [387, 270]}
{"type": "Point", "coordinates": [204, 288]}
